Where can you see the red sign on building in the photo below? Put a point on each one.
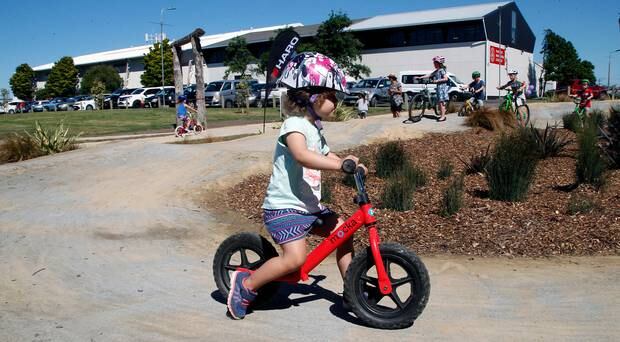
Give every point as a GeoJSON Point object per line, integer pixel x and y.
{"type": "Point", "coordinates": [498, 55]}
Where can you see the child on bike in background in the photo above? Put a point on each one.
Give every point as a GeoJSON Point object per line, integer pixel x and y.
{"type": "Point", "coordinates": [362, 105]}
{"type": "Point", "coordinates": [292, 204]}
{"type": "Point", "coordinates": [182, 108]}
{"type": "Point", "coordinates": [477, 87]}
{"type": "Point", "coordinates": [440, 77]}
{"type": "Point", "coordinates": [586, 95]}
{"type": "Point", "coordinates": [517, 87]}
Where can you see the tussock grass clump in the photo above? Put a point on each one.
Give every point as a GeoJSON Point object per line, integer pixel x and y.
{"type": "Point", "coordinates": [510, 171]}
{"type": "Point", "coordinates": [491, 119]}
{"type": "Point", "coordinates": [590, 164]}
{"type": "Point", "coordinates": [397, 194]}
{"type": "Point", "coordinates": [452, 200]}
{"type": "Point", "coordinates": [390, 159]}
{"type": "Point", "coordinates": [580, 204]}
{"type": "Point", "coordinates": [478, 162]}
{"type": "Point", "coordinates": [18, 147]}
{"type": "Point", "coordinates": [445, 169]}
{"type": "Point", "coordinates": [549, 142]}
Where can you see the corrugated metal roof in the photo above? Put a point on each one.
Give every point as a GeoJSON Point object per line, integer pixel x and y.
{"type": "Point", "coordinates": [139, 51]}
{"type": "Point", "coordinates": [434, 16]}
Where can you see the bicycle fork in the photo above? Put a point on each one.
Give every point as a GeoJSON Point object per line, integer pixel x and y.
{"type": "Point", "coordinates": [384, 283]}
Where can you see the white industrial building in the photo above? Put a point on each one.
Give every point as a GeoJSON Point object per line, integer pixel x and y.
{"type": "Point", "coordinates": [490, 38]}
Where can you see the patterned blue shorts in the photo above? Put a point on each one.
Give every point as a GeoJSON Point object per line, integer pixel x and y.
{"type": "Point", "coordinates": [286, 225]}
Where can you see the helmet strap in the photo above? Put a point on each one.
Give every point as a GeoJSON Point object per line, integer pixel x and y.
{"type": "Point", "coordinates": [315, 116]}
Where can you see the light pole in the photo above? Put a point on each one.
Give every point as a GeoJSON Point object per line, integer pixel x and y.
{"type": "Point", "coordinates": [609, 68]}
{"type": "Point", "coordinates": [161, 48]}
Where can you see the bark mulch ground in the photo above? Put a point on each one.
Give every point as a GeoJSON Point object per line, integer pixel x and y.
{"type": "Point", "coordinates": [542, 225]}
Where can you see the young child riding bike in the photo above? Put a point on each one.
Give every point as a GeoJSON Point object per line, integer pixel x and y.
{"type": "Point", "coordinates": [292, 204]}
{"type": "Point", "coordinates": [517, 87]}
{"type": "Point", "coordinates": [477, 87]}
{"type": "Point", "coordinates": [586, 95]}
{"type": "Point", "coordinates": [182, 108]}
{"type": "Point", "coordinates": [440, 77]}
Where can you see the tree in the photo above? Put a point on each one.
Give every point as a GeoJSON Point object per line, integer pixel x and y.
{"type": "Point", "coordinates": [63, 79]}
{"type": "Point", "coordinates": [343, 47]}
{"type": "Point", "coordinates": [41, 94]}
{"type": "Point", "coordinates": [152, 66]}
{"type": "Point", "coordinates": [97, 90]}
{"type": "Point", "coordinates": [561, 61]}
{"type": "Point", "coordinates": [105, 74]}
{"type": "Point", "coordinates": [238, 57]}
{"type": "Point", "coordinates": [5, 95]}
{"type": "Point", "coordinates": [22, 82]}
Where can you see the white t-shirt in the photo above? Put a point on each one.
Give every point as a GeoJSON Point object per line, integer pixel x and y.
{"type": "Point", "coordinates": [291, 185]}
{"type": "Point", "coordinates": [362, 105]}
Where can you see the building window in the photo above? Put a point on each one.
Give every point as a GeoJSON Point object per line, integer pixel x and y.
{"type": "Point", "coordinates": [513, 28]}
{"type": "Point", "coordinates": [426, 36]}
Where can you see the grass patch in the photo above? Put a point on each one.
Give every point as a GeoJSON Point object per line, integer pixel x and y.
{"type": "Point", "coordinates": [327, 193]}
{"type": "Point", "coordinates": [613, 132]}
{"type": "Point", "coordinates": [413, 175]}
{"type": "Point", "coordinates": [398, 194]}
{"type": "Point", "coordinates": [445, 169]}
{"type": "Point", "coordinates": [510, 171]}
{"type": "Point", "coordinates": [590, 164]}
{"type": "Point", "coordinates": [491, 118]}
{"type": "Point", "coordinates": [580, 204]}
{"type": "Point", "coordinates": [390, 159]}
{"type": "Point", "coordinates": [452, 197]}
{"type": "Point", "coordinates": [209, 140]}
{"type": "Point", "coordinates": [549, 142]}
{"type": "Point", "coordinates": [477, 163]}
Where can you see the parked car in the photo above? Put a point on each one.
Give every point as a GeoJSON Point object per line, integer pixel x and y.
{"type": "Point", "coordinates": [137, 97]}
{"type": "Point", "coordinates": [168, 96]}
{"type": "Point", "coordinates": [457, 90]}
{"type": "Point", "coordinates": [223, 93]}
{"type": "Point", "coordinates": [39, 106]}
{"type": "Point", "coordinates": [17, 107]}
{"type": "Point", "coordinates": [258, 93]}
{"type": "Point", "coordinates": [68, 103]}
{"type": "Point", "coordinates": [376, 89]}
{"type": "Point", "coordinates": [85, 103]}
{"type": "Point", "coordinates": [111, 101]}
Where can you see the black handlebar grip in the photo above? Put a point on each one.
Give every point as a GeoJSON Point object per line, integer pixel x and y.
{"type": "Point", "coordinates": [348, 166]}
{"type": "Point", "coordinates": [360, 170]}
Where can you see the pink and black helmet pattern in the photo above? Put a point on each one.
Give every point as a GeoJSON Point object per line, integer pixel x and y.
{"type": "Point", "coordinates": [313, 70]}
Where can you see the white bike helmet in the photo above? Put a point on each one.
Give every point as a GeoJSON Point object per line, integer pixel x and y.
{"type": "Point", "coordinates": [513, 72]}
{"type": "Point", "coordinates": [439, 59]}
{"type": "Point", "coordinates": [313, 70]}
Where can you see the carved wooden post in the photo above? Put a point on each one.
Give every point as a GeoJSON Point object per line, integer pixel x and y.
{"type": "Point", "coordinates": [200, 81]}
{"type": "Point", "coordinates": [178, 73]}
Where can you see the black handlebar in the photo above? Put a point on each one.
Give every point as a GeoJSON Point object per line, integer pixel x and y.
{"type": "Point", "coordinates": [349, 166]}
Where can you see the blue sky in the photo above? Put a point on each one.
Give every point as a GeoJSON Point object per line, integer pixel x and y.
{"type": "Point", "coordinates": [40, 32]}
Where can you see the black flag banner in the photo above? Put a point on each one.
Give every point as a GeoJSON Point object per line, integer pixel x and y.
{"type": "Point", "coordinates": [282, 51]}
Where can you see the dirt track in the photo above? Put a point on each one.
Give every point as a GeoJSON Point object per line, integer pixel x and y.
{"type": "Point", "coordinates": [100, 244]}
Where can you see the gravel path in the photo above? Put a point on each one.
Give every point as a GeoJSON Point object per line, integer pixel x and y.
{"type": "Point", "coordinates": [110, 243]}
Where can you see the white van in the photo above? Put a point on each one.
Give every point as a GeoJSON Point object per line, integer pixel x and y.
{"type": "Point", "coordinates": [411, 85]}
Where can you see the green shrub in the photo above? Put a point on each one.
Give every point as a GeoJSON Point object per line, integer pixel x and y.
{"type": "Point", "coordinates": [54, 140]}
{"type": "Point", "coordinates": [571, 122]}
{"type": "Point", "coordinates": [445, 169]}
{"type": "Point", "coordinates": [549, 142]}
{"type": "Point", "coordinates": [390, 159]}
{"type": "Point", "coordinates": [18, 147]}
{"type": "Point", "coordinates": [598, 118]}
{"type": "Point", "coordinates": [326, 192]}
{"type": "Point", "coordinates": [478, 162]}
{"type": "Point", "coordinates": [580, 204]}
{"type": "Point", "coordinates": [398, 194]}
{"type": "Point", "coordinates": [590, 164]}
{"type": "Point", "coordinates": [511, 168]}
{"type": "Point", "coordinates": [452, 197]}
{"type": "Point", "coordinates": [413, 175]}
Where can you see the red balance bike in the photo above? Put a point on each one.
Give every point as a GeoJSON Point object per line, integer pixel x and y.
{"type": "Point", "coordinates": [386, 285]}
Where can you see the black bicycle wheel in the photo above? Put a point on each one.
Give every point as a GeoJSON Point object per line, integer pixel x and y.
{"type": "Point", "coordinates": [417, 106]}
{"type": "Point", "coordinates": [247, 250]}
{"type": "Point", "coordinates": [410, 288]}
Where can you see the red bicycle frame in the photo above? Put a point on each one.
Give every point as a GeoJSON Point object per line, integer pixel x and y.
{"type": "Point", "coordinates": [364, 216]}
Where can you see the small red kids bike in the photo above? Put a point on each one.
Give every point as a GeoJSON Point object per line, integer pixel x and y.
{"type": "Point", "coordinates": [190, 126]}
{"type": "Point", "coordinates": [386, 285]}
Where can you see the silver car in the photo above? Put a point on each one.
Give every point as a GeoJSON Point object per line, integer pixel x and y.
{"type": "Point", "coordinates": [223, 93]}
{"type": "Point", "coordinates": [376, 90]}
